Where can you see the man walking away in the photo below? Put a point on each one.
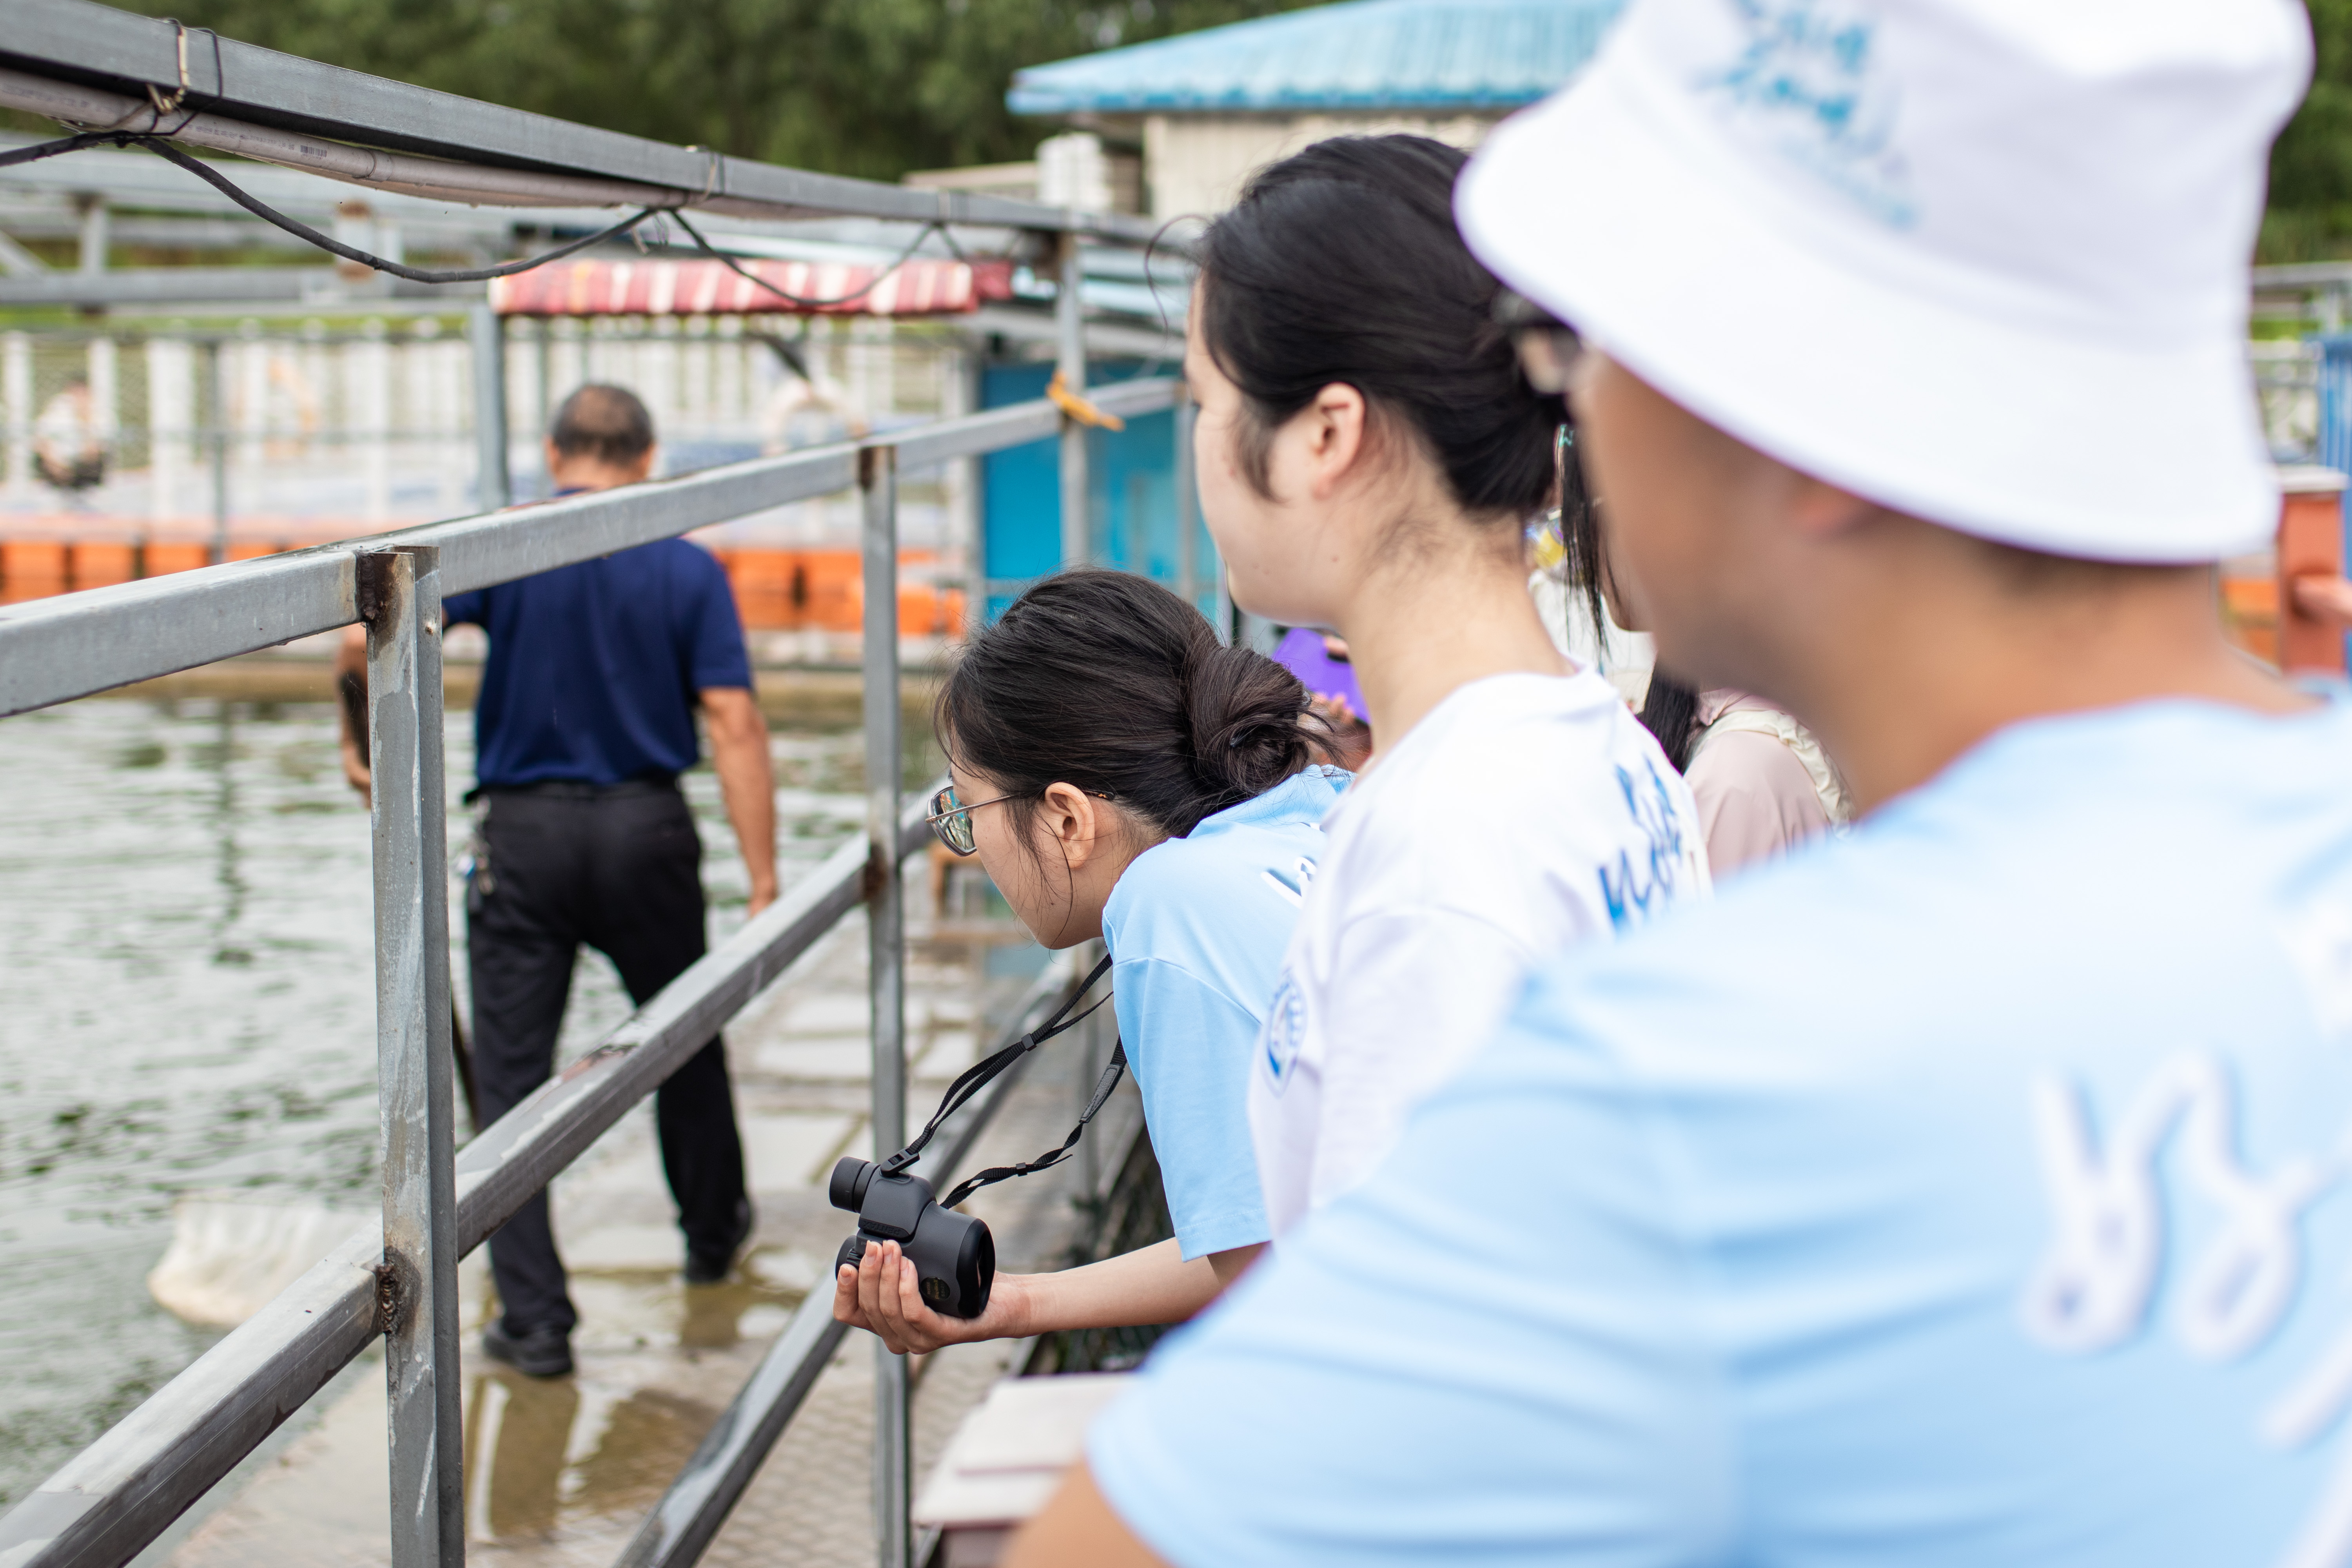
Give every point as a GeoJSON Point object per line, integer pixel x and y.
{"type": "Point", "coordinates": [584, 721]}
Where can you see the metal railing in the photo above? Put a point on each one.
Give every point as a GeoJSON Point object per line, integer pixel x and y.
{"type": "Point", "coordinates": [120, 1493]}
{"type": "Point", "coordinates": [493, 152]}
{"type": "Point", "coordinates": [398, 1281]}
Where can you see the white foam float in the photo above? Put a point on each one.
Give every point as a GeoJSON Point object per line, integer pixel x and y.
{"type": "Point", "coordinates": [230, 1256]}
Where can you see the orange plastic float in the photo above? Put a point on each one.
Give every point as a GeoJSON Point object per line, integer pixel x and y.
{"type": "Point", "coordinates": [775, 590]}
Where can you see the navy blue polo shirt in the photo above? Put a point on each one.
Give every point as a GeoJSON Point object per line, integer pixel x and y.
{"type": "Point", "coordinates": [593, 668]}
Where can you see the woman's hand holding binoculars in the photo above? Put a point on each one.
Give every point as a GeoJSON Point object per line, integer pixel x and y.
{"type": "Point", "coordinates": [880, 1293]}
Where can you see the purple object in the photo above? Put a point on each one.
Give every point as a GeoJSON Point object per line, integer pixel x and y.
{"type": "Point", "coordinates": [1302, 653]}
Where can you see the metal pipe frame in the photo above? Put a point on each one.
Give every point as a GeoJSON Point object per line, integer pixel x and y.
{"type": "Point", "coordinates": [215, 429]}
{"type": "Point", "coordinates": [115, 1497]}
{"type": "Point", "coordinates": [1188, 565]}
{"type": "Point", "coordinates": [53, 650]}
{"type": "Point", "coordinates": [886, 948]}
{"type": "Point", "coordinates": [680, 1527]}
{"type": "Point", "coordinates": [417, 1295]}
{"type": "Point", "coordinates": [102, 47]}
{"type": "Point", "coordinates": [1070, 325]}
{"type": "Point", "coordinates": [487, 331]}
{"type": "Point", "coordinates": [318, 286]}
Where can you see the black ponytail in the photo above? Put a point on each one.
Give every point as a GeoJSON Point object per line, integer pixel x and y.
{"type": "Point", "coordinates": [1342, 264]}
{"type": "Point", "coordinates": [1670, 711]}
{"type": "Point", "coordinates": [1112, 683]}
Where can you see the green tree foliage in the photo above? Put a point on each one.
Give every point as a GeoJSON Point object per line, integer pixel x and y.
{"type": "Point", "coordinates": [2310, 214]}
{"type": "Point", "coordinates": [855, 87]}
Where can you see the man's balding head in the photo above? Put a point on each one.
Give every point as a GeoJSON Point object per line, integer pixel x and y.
{"type": "Point", "coordinates": [602, 437]}
{"type": "Point", "coordinates": [605, 423]}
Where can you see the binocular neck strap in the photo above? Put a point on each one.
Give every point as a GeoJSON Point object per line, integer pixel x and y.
{"type": "Point", "coordinates": [996, 1174]}
{"type": "Point", "coordinates": [978, 1076]}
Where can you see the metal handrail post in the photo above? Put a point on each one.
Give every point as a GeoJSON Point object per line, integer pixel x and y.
{"type": "Point", "coordinates": [1070, 329]}
{"type": "Point", "coordinates": [400, 598]}
{"type": "Point", "coordinates": [1188, 564]}
{"type": "Point", "coordinates": [487, 331]}
{"type": "Point", "coordinates": [216, 445]}
{"type": "Point", "coordinates": [681, 1527]}
{"type": "Point", "coordinates": [877, 483]}
{"type": "Point", "coordinates": [1227, 626]}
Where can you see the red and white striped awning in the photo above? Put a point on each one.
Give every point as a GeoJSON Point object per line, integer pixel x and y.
{"type": "Point", "coordinates": [710, 287]}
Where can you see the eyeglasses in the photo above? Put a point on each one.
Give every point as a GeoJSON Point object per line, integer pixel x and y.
{"type": "Point", "coordinates": [951, 819]}
{"type": "Point", "coordinates": [1548, 348]}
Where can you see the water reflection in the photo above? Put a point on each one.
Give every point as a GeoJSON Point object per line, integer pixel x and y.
{"type": "Point", "coordinates": [712, 1318]}
{"type": "Point", "coordinates": [518, 1431]}
{"type": "Point", "coordinates": [187, 1004]}
{"type": "Point", "coordinates": [224, 817]}
{"type": "Point", "coordinates": [542, 1450]}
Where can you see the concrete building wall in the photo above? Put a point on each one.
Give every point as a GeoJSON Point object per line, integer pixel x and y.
{"type": "Point", "coordinates": [1196, 163]}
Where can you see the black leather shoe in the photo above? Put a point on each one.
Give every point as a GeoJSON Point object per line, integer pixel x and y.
{"type": "Point", "coordinates": [542, 1352]}
{"type": "Point", "coordinates": [710, 1267]}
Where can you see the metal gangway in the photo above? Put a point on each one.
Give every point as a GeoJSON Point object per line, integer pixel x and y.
{"type": "Point", "coordinates": [89, 65]}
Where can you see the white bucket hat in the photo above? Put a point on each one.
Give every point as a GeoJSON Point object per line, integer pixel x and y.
{"type": "Point", "coordinates": [1983, 261]}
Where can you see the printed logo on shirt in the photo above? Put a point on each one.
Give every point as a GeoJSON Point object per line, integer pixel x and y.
{"type": "Point", "coordinates": [1632, 888]}
{"type": "Point", "coordinates": [1286, 1028]}
{"type": "Point", "coordinates": [1294, 885]}
{"type": "Point", "coordinates": [2106, 1262]}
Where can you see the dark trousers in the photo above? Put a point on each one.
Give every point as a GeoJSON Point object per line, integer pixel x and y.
{"type": "Point", "coordinates": [619, 870]}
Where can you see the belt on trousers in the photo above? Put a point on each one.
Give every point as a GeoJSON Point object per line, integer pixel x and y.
{"type": "Point", "coordinates": [579, 789]}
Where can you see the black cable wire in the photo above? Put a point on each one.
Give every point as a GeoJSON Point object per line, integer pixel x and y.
{"type": "Point", "coordinates": [300, 229]}
{"type": "Point", "coordinates": [805, 303]}
{"type": "Point", "coordinates": [259, 209]}
{"type": "Point", "coordinates": [62, 145]}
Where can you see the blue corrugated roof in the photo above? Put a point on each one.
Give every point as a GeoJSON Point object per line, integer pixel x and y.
{"type": "Point", "coordinates": [1362, 55]}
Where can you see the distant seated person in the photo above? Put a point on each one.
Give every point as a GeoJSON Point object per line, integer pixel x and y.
{"type": "Point", "coordinates": [69, 441]}
{"type": "Point", "coordinates": [586, 718]}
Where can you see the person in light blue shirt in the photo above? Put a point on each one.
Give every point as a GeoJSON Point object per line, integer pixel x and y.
{"type": "Point", "coordinates": [1974, 1191]}
{"type": "Point", "coordinates": [1121, 775]}
{"type": "Point", "coordinates": [1196, 929]}
{"type": "Point", "coordinates": [2014, 1230]}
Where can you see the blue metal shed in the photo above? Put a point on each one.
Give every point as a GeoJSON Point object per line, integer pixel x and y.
{"type": "Point", "coordinates": [1364, 55]}
{"type": "Point", "coordinates": [1131, 500]}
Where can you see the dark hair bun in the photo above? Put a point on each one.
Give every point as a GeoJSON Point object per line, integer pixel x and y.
{"type": "Point", "coordinates": [1245, 712]}
{"type": "Point", "coordinates": [1112, 683]}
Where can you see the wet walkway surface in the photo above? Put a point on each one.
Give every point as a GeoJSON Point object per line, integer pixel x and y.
{"type": "Point", "coordinates": [186, 1008]}
{"type": "Point", "coordinates": [562, 1471]}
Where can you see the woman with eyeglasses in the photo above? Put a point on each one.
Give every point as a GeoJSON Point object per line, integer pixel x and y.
{"type": "Point", "coordinates": [1369, 451]}
{"type": "Point", "coordinates": [1121, 775]}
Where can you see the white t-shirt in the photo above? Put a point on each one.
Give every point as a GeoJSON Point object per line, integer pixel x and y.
{"type": "Point", "coordinates": [1524, 814]}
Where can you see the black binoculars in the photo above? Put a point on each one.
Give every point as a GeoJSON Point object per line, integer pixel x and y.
{"type": "Point", "coordinates": [953, 1255]}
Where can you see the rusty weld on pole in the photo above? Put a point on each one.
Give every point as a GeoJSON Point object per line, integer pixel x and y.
{"type": "Point", "coordinates": [878, 485]}
{"type": "Point", "coordinates": [1070, 334]}
{"type": "Point", "coordinates": [400, 600]}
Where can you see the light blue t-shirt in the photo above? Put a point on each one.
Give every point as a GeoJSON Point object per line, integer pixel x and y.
{"type": "Point", "coordinates": [1975, 1191]}
{"type": "Point", "coordinates": [1196, 929]}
